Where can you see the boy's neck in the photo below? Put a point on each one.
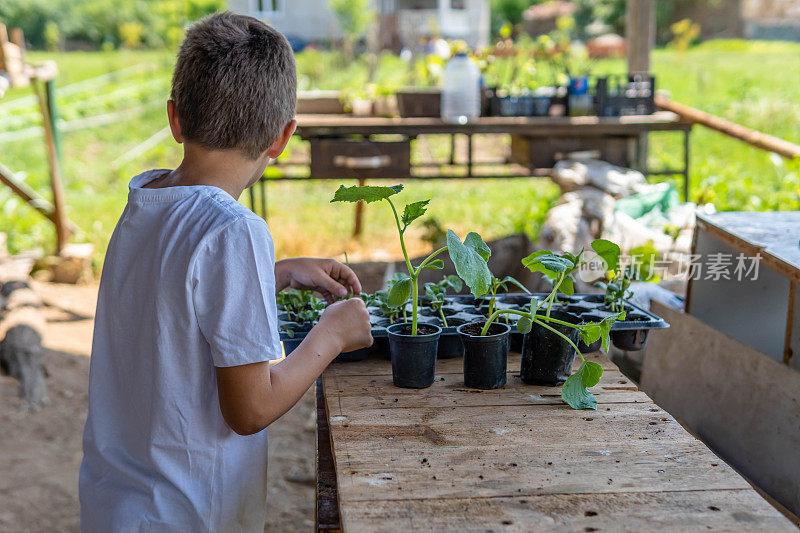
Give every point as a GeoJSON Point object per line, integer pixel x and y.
{"type": "Point", "coordinates": [226, 169]}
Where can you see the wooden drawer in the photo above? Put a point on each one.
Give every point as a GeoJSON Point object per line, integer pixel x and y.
{"type": "Point", "coordinates": [360, 159]}
{"type": "Point", "coordinates": [544, 152]}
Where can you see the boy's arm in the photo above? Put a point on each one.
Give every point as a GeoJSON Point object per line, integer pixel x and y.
{"type": "Point", "coordinates": [328, 277]}
{"type": "Point", "coordinates": [253, 396]}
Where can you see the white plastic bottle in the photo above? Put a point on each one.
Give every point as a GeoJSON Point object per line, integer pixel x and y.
{"type": "Point", "coordinates": [461, 91]}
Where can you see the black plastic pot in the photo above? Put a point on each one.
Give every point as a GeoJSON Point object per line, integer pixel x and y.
{"type": "Point", "coordinates": [413, 356]}
{"type": "Point", "coordinates": [450, 347]}
{"type": "Point", "coordinates": [546, 357]}
{"type": "Point", "coordinates": [630, 340]}
{"type": "Point", "coordinates": [485, 358]}
{"type": "Point", "coordinates": [352, 357]}
{"type": "Point", "coordinates": [380, 348]}
{"type": "Point", "coordinates": [290, 344]}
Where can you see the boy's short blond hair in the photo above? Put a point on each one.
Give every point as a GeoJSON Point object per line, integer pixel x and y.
{"type": "Point", "coordinates": [235, 84]}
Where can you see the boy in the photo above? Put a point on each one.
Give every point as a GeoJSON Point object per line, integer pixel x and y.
{"type": "Point", "coordinates": [180, 385]}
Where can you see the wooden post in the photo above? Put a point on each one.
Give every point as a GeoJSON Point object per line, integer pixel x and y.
{"type": "Point", "coordinates": [45, 92]}
{"type": "Point", "coordinates": [359, 213]}
{"type": "Point", "coordinates": [640, 33]}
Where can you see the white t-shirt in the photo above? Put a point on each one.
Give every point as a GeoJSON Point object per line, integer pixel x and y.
{"type": "Point", "coordinates": [188, 284]}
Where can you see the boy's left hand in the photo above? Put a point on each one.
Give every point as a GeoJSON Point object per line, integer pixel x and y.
{"type": "Point", "coordinates": [330, 278]}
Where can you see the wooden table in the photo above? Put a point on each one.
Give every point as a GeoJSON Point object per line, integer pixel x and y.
{"type": "Point", "coordinates": [450, 458]}
{"type": "Point", "coordinates": [760, 308]}
{"type": "Point", "coordinates": [536, 144]}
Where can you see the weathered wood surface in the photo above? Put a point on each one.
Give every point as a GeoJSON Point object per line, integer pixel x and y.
{"type": "Point", "coordinates": [450, 458]}
{"type": "Point", "coordinates": [772, 235]}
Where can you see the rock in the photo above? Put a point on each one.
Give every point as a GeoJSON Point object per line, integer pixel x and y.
{"type": "Point", "coordinates": [21, 358]}
{"type": "Point", "coordinates": [73, 266]}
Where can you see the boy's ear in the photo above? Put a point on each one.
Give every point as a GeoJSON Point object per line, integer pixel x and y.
{"type": "Point", "coordinates": [174, 123]}
{"type": "Point", "coordinates": [280, 143]}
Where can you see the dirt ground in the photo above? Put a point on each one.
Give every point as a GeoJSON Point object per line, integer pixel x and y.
{"type": "Point", "coordinates": [40, 452]}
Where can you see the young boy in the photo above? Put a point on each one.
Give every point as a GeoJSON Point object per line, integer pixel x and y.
{"type": "Point", "coordinates": [180, 387]}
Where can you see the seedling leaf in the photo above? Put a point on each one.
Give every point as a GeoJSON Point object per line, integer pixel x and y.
{"type": "Point", "coordinates": [470, 259]}
{"type": "Point", "coordinates": [546, 262]}
{"type": "Point", "coordinates": [608, 252]}
{"type": "Point", "coordinates": [436, 264]}
{"type": "Point", "coordinates": [605, 328]}
{"type": "Point", "coordinates": [367, 193]}
{"type": "Point", "coordinates": [524, 325]}
{"type": "Point", "coordinates": [567, 287]}
{"type": "Point", "coordinates": [400, 292]}
{"type": "Point", "coordinates": [575, 390]}
{"type": "Point", "coordinates": [509, 280]}
{"type": "Point", "coordinates": [413, 211]}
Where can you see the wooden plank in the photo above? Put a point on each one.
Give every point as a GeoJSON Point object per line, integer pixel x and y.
{"type": "Point", "coordinates": [640, 33]}
{"type": "Point", "coordinates": [741, 402]}
{"type": "Point", "coordinates": [710, 510]}
{"type": "Point", "coordinates": [463, 452]}
{"type": "Point", "coordinates": [327, 501]}
{"type": "Point", "coordinates": [337, 125]}
{"type": "Point", "coordinates": [377, 392]}
{"type": "Point", "coordinates": [773, 235]}
{"type": "Point", "coordinates": [731, 129]}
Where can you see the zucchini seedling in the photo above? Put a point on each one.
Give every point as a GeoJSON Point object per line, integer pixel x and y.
{"type": "Point", "coordinates": [498, 284]}
{"type": "Point", "coordinates": [301, 307]}
{"type": "Point", "coordinates": [435, 292]}
{"type": "Point", "coordinates": [469, 256]}
{"type": "Point", "coordinates": [559, 269]}
{"type": "Point", "coordinates": [617, 290]}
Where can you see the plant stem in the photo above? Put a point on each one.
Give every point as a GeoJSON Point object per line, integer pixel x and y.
{"type": "Point", "coordinates": [414, 303]}
{"type": "Point", "coordinates": [532, 318]}
{"type": "Point", "coordinates": [401, 231]}
{"type": "Point", "coordinates": [441, 313]}
{"type": "Point", "coordinates": [429, 259]}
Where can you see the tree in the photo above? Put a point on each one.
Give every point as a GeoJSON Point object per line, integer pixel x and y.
{"type": "Point", "coordinates": [354, 17]}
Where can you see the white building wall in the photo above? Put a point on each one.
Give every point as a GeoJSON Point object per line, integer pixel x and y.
{"type": "Point", "coordinates": [312, 21]}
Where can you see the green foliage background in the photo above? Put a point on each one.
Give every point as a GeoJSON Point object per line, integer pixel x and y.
{"type": "Point", "coordinates": [98, 22]}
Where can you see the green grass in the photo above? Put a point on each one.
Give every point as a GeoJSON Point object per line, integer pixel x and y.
{"type": "Point", "coordinates": [753, 83]}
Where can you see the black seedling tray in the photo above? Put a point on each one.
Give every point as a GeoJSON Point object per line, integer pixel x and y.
{"type": "Point", "coordinates": [461, 309]}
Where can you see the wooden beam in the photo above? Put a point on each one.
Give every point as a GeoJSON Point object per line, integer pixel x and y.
{"type": "Point", "coordinates": [44, 92]}
{"type": "Point", "coordinates": [31, 197]}
{"type": "Point", "coordinates": [640, 33]}
{"type": "Point", "coordinates": [731, 129]}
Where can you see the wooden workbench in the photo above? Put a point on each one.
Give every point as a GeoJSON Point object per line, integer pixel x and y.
{"type": "Point", "coordinates": [536, 144]}
{"type": "Point", "coordinates": [450, 458]}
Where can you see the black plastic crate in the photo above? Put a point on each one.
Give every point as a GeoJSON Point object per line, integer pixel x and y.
{"type": "Point", "coordinates": [620, 95]}
{"type": "Point", "coordinates": [461, 309]}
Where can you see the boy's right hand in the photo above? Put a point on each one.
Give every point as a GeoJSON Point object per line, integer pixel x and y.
{"type": "Point", "coordinates": [347, 323]}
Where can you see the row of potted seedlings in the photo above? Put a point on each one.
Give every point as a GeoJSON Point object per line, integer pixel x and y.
{"type": "Point", "coordinates": [553, 328]}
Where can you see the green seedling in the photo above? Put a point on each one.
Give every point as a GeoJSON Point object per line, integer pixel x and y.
{"type": "Point", "coordinates": [435, 292]}
{"type": "Point", "coordinates": [380, 299]}
{"type": "Point", "coordinates": [617, 290]}
{"type": "Point", "coordinates": [559, 269]}
{"type": "Point", "coordinates": [469, 256]}
{"type": "Point", "coordinates": [300, 306]}
{"type": "Point", "coordinates": [498, 284]}
{"type": "Point", "coordinates": [398, 277]}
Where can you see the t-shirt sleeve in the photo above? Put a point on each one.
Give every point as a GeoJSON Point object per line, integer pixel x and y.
{"type": "Point", "coordinates": [234, 294]}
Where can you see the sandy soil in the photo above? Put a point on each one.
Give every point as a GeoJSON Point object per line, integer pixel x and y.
{"type": "Point", "coordinates": [40, 452]}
